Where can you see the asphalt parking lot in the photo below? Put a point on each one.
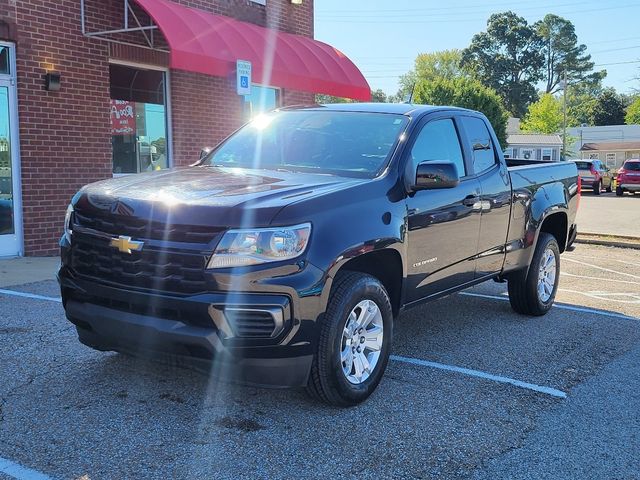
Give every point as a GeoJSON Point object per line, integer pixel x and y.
{"type": "Point", "coordinates": [606, 214]}
{"type": "Point", "coordinates": [474, 391]}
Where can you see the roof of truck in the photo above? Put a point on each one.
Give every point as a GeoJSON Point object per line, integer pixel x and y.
{"type": "Point", "coordinates": [397, 108]}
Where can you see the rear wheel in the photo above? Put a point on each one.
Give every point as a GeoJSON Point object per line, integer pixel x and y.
{"type": "Point", "coordinates": [597, 187]}
{"type": "Point", "coordinates": [355, 340]}
{"type": "Point", "coordinates": [535, 292]}
{"type": "Point", "coordinates": [619, 191]}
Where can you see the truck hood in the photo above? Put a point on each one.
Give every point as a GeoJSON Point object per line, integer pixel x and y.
{"type": "Point", "coordinates": [211, 196]}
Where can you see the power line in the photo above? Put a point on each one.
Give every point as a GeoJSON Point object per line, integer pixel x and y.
{"type": "Point", "coordinates": [449, 11]}
{"type": "Point", "coordinates": [470, 19]}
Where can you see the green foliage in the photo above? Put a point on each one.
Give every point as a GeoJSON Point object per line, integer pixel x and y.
{"type": "Point", "coordinates": [562, 53]}
{"type": "Point", "coordinates": [429, 66]}
{"type": "Point", "coordinates": [633, 113]}
{"type": "Point", "coordinates": [608, 109]}
{"type": "Point", "coordinates": [507, 58]}
{"type": "Point", "coordinates": [544, 116]}
{"type": "Point", "coordinates": [581, 100]}
{"type": "Point", "coordinates": [378, 96]}
{"type": "Point", "coordinates": [322, 99]}
{"type": "Point", "coordinates": [466, 93]}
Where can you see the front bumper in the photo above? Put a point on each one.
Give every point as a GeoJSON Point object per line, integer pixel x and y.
{"type": "Point", "coordinates": [194, 330]}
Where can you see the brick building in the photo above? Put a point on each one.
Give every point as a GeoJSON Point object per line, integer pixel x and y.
{"type": "Point", "coordinates": [95, 88]}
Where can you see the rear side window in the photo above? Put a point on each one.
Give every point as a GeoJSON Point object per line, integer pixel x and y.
{"type": "Point", "coordinates": [438, 141]}
{"type": "Point", "coordinates": [484, 156]}
{"type": "Point", "coordinates": [632, 166]}
{"type": "Point", "coordinates": [583, 165]}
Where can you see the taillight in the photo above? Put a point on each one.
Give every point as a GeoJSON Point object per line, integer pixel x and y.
{"type": "Point", "coordinates": [579, 191]}
{"type": "Point", "coordinates": [621, 173]}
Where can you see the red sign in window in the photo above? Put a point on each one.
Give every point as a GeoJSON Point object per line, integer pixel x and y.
{"type": "Point", "coordinates": [123, 117]}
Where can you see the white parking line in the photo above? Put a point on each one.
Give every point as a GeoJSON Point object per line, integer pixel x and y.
{"type": "Point", "coordinates": [608, 296]}
{"type": "Point", "coordinates": [19, 472]}
{"type": "Point", "coordinates": [602, 268]}
{"type": "Point", "coordinates": [600, 279]}
{"type": "Point", "coordinates": [556, 305]}
{"type": "Point", "coordinates": [30, 295]}
{"type": "Point", "coordinates": [487, 376]}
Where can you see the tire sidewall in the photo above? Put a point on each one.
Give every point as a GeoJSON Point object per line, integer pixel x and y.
{"type": "Point", "coordinates": [545, 242]}
{"type": "Point", "coordinates": [366, 288]}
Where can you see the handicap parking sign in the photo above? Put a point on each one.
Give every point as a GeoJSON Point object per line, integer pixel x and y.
{"type": "Point", "coordinates": [243, 77]}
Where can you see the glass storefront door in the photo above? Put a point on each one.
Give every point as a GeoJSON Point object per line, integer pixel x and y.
{"type": "Point", "coordinates": [10, 208]}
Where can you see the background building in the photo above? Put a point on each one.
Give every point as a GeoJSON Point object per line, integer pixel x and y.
{"type": "Point", "coordinates": [612, 144]}
{"type": "Point", "coordinates": [95, 88]}
{"type": "Point", "coordinates": [532, 146]}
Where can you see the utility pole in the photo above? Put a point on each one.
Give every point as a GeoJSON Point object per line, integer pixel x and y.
{"type": "Point", "coordinates": [564, 115]}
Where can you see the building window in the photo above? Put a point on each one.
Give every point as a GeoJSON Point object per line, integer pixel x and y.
{"type": "Point", "coordinates": [508, 153]}
{"type": "Point", "coordinates": [611, 159]}
{"type": "Point", "coordinates": [4, 60]}
{"type": "Point", "coordinates": [138, 119]}
{"type": "Point", "coordinates": [260, 100]}
{"type": "Point", "coordinates": [547, 154]}
{"type": "Point", "coordinates": [594, 156]}
{"type": "Point", "coordinates": [528, 154]}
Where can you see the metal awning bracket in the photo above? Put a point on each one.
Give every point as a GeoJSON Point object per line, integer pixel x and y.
{"type": "Point", "coordinates": [131, 24]}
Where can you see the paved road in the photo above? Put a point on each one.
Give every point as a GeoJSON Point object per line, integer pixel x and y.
{"type": "Point", "coordinates": [607, 214]}
{"type": "Point", "coordinates": [67, 411]}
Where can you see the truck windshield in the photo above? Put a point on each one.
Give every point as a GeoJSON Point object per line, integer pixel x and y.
{"type": "Point", "coordinates": [342, 143]}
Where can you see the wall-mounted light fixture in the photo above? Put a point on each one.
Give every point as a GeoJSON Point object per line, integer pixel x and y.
{"type": "Point", "coordinates": [296, 2]}
{"type": "Point", "coordinates": [52, 81]}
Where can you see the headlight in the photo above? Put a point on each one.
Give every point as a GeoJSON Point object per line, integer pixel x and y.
{"type": "Point", "coordinates": [67, 223]}
{"type": "Point", "coordinates": [240, 248]}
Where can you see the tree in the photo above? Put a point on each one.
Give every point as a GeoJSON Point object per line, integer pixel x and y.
{"type": "Point", "coordinates": [562, 54]}
{"type": "Point", "coordinates": [507, 57]}
{"type": "Point", "coordinates": [581, 100]}
{"type": "Point", "coordinates": [378, 96]}
{"type": "Point", "coordinates": [544, 116]}
{"type": "Point", "coordinates": [429, 66]}
{"type": "Point", "coordinates": [466, 93]}
{"type": "Point", "coordinates": [322, 99]}
{"type": "Point", "coordinates": [608, 109]}
{"type": "Point", "coordinates": [633, 113]}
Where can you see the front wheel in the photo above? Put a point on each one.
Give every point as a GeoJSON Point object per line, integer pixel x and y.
{"type": "Point", "coordinates": [535, 292]}
{"type": "Point", "coordinates": [355, 341]}
{"type": "Point", "coordinates": [597, 188]}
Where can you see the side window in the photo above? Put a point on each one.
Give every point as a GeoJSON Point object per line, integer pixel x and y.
{"type": "Point", "coordinates": [438, 140]}
{"type": "Point", "coordinates": [484, 156]}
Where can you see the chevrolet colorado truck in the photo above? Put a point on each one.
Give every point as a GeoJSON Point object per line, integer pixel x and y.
{"type": "Point", "coordinates": [283, 257]}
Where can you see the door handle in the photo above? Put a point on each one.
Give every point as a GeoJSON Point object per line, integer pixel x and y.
{"type": "Point", "coordinates": [471, 201]}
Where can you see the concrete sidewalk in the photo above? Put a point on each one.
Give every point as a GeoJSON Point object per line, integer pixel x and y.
{"type": "Point", "coordinates": [18, 271]}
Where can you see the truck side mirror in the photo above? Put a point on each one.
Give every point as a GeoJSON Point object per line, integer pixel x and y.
{"type": "Point", "coordinates": [435, 175]}
{"type": "Point", "coordinates": [205, 151]}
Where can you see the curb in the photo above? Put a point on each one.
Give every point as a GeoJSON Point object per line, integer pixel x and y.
{"type": "Point", "coordinates": [619, 241]}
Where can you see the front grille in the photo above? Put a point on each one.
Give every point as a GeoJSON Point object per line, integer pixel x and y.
{"type": "Point", "coordinates": [144, 229]}
{"type": "Point", "coordinates": [179, 272]}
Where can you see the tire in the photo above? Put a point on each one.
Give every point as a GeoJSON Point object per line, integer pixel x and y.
{"type": "Point", "coordinates": [328, 381]}
{"type": "Point", "coordinates": [524, 294]}
{"type": "Point", "coordinates": [597, 188]}
{"type": "Point", "coordinates": [619, 192]}
{"type": "Point", "coordinates": [609, 189]}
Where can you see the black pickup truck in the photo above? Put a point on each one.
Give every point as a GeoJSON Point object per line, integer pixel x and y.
{"type": "Point", "coordinates": [283, 257]}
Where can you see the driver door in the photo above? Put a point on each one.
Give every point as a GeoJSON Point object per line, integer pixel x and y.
{"type": "Point", "coordinates": [444, 224]}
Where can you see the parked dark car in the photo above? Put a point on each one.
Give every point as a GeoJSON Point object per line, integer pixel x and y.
{"type": "Point", "coordinates": [285, 255]}
{"type": "Point", "coordinates": [628, 179]}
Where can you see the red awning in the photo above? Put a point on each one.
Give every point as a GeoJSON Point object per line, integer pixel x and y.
{"type": "Point", "coordinates": [207, 43]}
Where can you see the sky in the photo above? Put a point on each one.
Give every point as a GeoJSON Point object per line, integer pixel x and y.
{"type": "Point", "coordinates": [383, 37]}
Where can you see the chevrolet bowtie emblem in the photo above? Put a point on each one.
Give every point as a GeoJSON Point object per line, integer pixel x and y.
{"type": "Point", "coordinates": [126, 245]}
